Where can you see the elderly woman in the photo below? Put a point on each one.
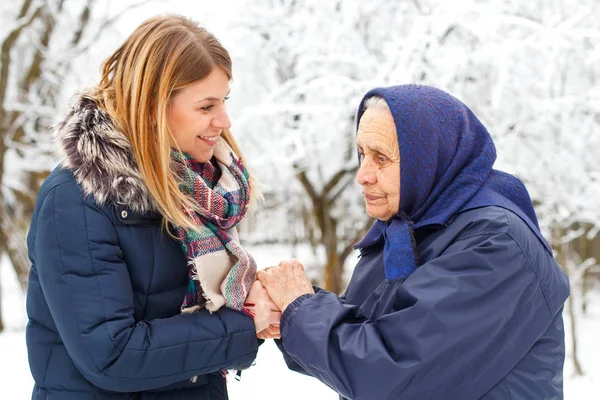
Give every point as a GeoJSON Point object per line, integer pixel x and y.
{"type": "Point", "coordinates": [456, 294]}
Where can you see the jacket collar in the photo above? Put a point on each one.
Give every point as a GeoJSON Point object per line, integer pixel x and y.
{"type": "Point", "coordinates": [100, 157]}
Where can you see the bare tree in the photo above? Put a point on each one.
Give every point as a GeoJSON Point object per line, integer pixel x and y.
{"type": "Point", "coordinates": [576, 267]}
{"type": "Point", "coordinates": [306, 131]}
{"type": "Point", "coordinates": [530, 71]}
{"type": "Point", "coordinates": [39, 44]}
{"type": "Point", "coordinates": [337, 247]}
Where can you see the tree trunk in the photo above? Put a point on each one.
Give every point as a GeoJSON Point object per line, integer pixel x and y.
{"type": "Point", "coordinates": [1, 319]}
{"type": "Point", "coordinates": [563, 258]}
{"type": "Point", "coordinates": [19, 263]}
{"type": "Point", "coordinates": [578, 371]}
{"type": "Point", "coordinates": [585, 288]}
{"type": "Point", "coordinates": [14, 244]}
{"type": "Point", "coordinates": [3, 244]}
{"type": "Point", "coordinates": [582, 244]}
{"type": "Point", "coordinates": [333, 270]}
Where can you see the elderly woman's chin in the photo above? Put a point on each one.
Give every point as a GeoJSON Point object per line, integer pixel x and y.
{"type": "Point", "coordinates": [381, 212]}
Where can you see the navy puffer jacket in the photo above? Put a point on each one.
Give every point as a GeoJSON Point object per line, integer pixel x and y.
{"type": "Point", "coordinates": [481, 318]}
{"type": "Point", "coordinates": [107, 282]}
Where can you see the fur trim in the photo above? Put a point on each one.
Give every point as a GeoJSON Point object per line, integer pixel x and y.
{"type": "Point", "coordinates": [101, 157]}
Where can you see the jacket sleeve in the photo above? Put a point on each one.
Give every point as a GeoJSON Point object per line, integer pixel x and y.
{"type": "Point", "coordinates": [88, 290]}
{"type": "Point", "coordinates": [291, 364]}
{"type": "Point", "coordinates": [452, 330]}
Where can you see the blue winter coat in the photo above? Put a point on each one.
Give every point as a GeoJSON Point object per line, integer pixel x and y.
{"type": "Point", "coordinates": [107, 283]}
{"type": "Point", "coordinates": [480, 318]}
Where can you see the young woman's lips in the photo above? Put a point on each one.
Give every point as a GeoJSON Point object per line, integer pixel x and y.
{"type": "Point", "coordinates": [209, 140]}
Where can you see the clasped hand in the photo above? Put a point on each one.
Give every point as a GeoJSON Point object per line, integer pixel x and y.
{"type": "Point", "coordinates": [274, 290]}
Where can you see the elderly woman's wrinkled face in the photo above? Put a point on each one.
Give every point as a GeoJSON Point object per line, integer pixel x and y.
{"type": "Point", "coordinates": [379, 173]}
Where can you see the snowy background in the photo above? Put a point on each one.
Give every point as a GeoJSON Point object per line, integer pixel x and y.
{"type": "Point", "coordinates": [529, 69]}
{"type": "Point", "coordinates": [270, 375]}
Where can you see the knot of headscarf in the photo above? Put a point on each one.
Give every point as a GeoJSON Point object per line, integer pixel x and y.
{"type": "Point", "coordinates": [399, 252]}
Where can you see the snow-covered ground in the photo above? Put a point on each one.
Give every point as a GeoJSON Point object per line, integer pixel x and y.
{"type": "Point", "coordinates": [269, 377]}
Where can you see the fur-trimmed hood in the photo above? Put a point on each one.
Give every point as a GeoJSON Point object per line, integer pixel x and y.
{"type": "Point", "coordinates": [101, 157]}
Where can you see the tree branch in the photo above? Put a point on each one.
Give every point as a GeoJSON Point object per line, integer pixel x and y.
{"type": "Point", "coordinates": [107, 23]}
{"type": "Point", "coordinates": [342, 187]}
{"type": "Point", "coordinates": [329, 186]}
{"type": "Point", "coordinates": [24, 21]}
{"type": "Point", "coordinates": [419, 7]}
{"type": "Point", "coordinates": [35, 68]}
{"type": "Point", "coordinates": [307, 185]}
{"type": "Point", "coordinates": [84, 20]}
{"type": "Point", "coordinates": [359, 234]}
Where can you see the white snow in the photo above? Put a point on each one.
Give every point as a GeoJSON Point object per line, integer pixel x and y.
{"type": "Point", "coordinates": [529, 70]}
{"type": "Point", "coordinates": [269, 378]}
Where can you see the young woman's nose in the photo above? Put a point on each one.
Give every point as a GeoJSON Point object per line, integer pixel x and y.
{"type": "Point", "coordinates": [221, 120]}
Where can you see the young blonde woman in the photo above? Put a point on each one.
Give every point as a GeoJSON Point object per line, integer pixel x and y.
{"type": "Point", "coordinates": [138, 281]}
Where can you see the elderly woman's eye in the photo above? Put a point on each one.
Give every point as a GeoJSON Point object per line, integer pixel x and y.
{"type": "Point", "coordinates": [382, 159]}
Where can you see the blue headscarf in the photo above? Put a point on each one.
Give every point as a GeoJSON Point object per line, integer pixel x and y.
{"type": "Point", "coordinates": [446, 158]}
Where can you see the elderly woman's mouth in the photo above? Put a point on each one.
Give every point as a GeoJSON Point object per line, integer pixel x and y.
{"type": "Point", "coordinates": [371, 197]}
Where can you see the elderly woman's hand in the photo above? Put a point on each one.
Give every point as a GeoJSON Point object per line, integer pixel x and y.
{"type": "Point", "coordinates": [285, 283]}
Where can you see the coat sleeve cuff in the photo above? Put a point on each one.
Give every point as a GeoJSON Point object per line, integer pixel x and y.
{"type": "Point", "coordinates": [290, 310]}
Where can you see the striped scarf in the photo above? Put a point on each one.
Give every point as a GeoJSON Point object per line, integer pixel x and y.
{"type": "Point", "coordinates": [220, 270]}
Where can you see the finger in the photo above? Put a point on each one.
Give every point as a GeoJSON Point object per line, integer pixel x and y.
{"type": "Point", "coordinates": [276, 315]}
{"type": "Point", "coordinates": [273, 332]}
{"type": "Point", "coordinates": [263, 277]}
{"type": "Point", "coordinates": [296, 263]}
{"type": "Point", "coordinates": [274, 320]}
{"type": "Point", "coordinates": [268, 334]}
{"type": "Point", "coordinates": [258, 286]}
{"type": "Point", "coordinates": [273, 307]}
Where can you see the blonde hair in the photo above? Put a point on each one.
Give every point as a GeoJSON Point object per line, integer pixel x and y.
{"type": "Point", "coordinates": [163, 55]}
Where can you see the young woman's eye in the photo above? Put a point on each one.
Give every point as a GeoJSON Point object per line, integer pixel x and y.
{"type": "Point", "coordinates": [226, 98]}
{"type": "Point", "coordinates": [207, 108]}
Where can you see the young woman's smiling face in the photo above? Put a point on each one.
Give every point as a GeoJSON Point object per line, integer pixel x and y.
{"type": "Point", "coordinates": [197, 115]}
{"type": "Point", "coordinates": [379, 172]}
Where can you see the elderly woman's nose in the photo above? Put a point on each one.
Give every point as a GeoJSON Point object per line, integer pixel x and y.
{"type": "Point", "coordinates": [366, 173]}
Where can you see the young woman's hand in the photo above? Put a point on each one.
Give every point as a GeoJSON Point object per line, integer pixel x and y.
{"type": "Point", "coordinates": [265, 313]}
